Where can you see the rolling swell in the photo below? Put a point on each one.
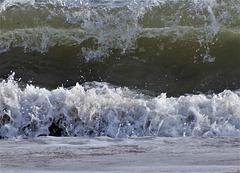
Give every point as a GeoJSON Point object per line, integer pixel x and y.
{"type": "Point", "coordinates": [159, 46]}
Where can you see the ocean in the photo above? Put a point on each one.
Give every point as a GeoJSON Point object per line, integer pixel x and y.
{"type": "Point", "coordinates": [110, 81]}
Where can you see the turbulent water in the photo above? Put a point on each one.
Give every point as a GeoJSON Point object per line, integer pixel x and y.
{"type": "Point", "coordinates": [128, 68]}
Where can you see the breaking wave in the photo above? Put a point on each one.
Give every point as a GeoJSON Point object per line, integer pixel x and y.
{"type": "Point", "coordinates": [99, 109]}
{"type": "Point", "coordinates": [102, 27]}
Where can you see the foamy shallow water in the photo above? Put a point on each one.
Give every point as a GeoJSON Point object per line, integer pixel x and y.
{"type": "Point", "coordinates": [103, 154]}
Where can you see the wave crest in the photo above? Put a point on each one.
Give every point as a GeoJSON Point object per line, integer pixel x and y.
{"type": "Point", "coordinates": [112, 25]}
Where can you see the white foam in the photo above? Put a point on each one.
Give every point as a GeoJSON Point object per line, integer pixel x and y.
{"type": "Point", "coordinates": [99, 109]}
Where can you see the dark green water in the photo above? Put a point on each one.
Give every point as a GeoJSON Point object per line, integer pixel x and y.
{"type": "Point", "coordinates": [173, 70]}
{"type": "Point", "coordinates": [171, 47]}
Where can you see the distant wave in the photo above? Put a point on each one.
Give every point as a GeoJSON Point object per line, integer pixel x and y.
{"type": "Point", "coordinates": [113, 25]}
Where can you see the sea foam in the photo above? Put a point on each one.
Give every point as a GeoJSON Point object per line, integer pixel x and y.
{"type": "Point", "coordinates": [99, 109]}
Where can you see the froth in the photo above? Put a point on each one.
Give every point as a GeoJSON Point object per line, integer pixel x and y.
{"type": "Point", "coordinates": [99, 109]}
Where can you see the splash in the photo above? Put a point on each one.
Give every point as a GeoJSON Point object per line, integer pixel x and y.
{"type": "Point", "coordinates": [99, 109]}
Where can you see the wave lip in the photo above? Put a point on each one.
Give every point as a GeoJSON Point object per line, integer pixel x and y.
{"type": "Point", "coordinates": [99, 109]}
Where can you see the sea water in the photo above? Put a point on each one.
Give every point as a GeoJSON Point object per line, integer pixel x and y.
{"type": "Point", "coordinates": [104, 154]}
{"type": "Point", "coordinates": [145, 71]}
